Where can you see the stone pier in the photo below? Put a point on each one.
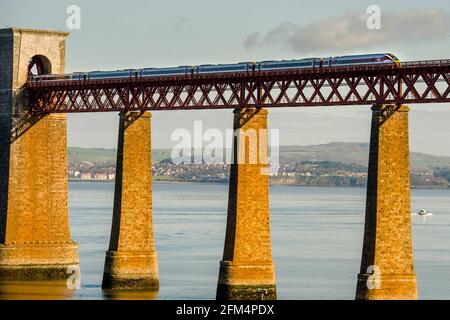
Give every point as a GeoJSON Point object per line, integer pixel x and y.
{"type": "Point", "coordinates": [131, 262]}
{"type": "Point", "coordinates": [247, 271]}
{"type": "Point", "coordinates": [387, 264]}
{"type": "Point", "coordinates": [35, 239]}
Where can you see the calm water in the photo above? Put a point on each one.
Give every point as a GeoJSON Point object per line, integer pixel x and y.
{"type": "Point", "coordinates": [316, 240]}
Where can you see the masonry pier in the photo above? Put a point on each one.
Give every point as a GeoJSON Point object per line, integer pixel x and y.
{"type": "Point", "coordinates": [247, 271]}
{"type": "Point", "coordinates": [131, 261]}
{"type": "Point", "coordinates": [35, 239]}
{"type": "Point", "coordinates": [387, 264]}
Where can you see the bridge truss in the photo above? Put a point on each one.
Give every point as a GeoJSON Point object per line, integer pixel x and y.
{"type": "Point", "coordinates": [409, 83]}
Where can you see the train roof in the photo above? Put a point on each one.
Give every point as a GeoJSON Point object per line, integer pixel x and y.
{"type": "Point", "coordinates": [250, 62]}
{"type": "Point", "coordinates": [366, 55]}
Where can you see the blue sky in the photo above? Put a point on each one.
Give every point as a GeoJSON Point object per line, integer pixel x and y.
{"type": "Point", "coordinates": [132, 34]}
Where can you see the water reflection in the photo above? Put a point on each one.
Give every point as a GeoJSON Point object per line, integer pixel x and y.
{"type": "Point", "coordinates": [130, 295]}
{"type": "Point", "coordinates": [35, 290]}
{"type": "Point", "coordinates": [316, 239]}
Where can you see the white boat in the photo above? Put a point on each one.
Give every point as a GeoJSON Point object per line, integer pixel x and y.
{"type": "Point", "coordinates": [424, 212]}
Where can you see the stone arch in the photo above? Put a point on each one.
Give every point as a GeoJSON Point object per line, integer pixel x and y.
{"type": "Point", "coordinates": [39, 65]}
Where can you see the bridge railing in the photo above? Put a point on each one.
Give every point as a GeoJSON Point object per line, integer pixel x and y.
{"type": "Point", "coordinates": [427, 63]}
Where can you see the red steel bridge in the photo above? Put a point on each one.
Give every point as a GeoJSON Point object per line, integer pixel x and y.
{"type": "Point", "coordinates": [405, 83]}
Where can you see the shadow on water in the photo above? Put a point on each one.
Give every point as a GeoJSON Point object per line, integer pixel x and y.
{"type": "Point", "coordinates": [130, 295]}
{"type": "Point", "coordinates": [35, 290]}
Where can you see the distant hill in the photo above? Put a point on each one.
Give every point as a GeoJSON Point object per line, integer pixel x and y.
{"type": "Point", "coordinates": [345, 152]}
{"type": "Point", "coordinates": [352, 152]}
{"type": "Point", "coordinates": [100, 156]}
{"type": "Point", "coordinates": [107, 156]}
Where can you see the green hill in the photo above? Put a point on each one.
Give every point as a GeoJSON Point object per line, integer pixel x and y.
{"type": "Point", "coordinates": [100, 156]}
{"type": "Point", "coordinates": [345, 152]}
{"type": "Point", "coordinates": [107, 156]}
{"type": "Point", "coordinates": [352, 152]}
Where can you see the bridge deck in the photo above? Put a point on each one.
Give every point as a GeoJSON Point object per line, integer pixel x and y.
{"type": "Point", "coordinates": [410, 82]}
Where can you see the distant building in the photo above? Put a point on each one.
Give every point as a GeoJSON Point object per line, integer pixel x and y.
{"type": "Point", "coordinates": [86, 176]}
{"type": "Point", "coordinates": [86, 164]}
{"type": "Point", "coordinates": [101, 176]}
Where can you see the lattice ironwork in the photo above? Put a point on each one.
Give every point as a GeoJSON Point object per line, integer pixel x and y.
{"type": "Point", "coordinates": [408, 83]}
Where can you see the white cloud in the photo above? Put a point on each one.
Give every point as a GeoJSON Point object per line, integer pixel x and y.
{"type": "Point", "coordinates": [349, 32]}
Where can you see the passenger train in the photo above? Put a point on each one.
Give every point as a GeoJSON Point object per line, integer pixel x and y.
{"type": "Point", "coordinates": [247, 67]}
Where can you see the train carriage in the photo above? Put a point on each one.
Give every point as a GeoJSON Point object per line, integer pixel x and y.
{"type": "Point", "coordinates": [285, 64]}
{"type": "Point", "coordinates": [339, 61]}
{"type": "Point", "coordinates": [223, 68]}
{"type": "Point", "coordinates": [160, 72]}
{"type": "Point", "coordinates": [362, 60]}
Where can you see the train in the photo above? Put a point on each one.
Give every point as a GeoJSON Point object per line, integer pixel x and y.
{"type": "Point", "coordinates": [244, 67]}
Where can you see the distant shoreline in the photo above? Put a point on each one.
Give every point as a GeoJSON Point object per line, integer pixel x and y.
{"type": "Point", "coordinates": [274, 184]}
{"type": "Point", "coordinates": [101, 181]}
